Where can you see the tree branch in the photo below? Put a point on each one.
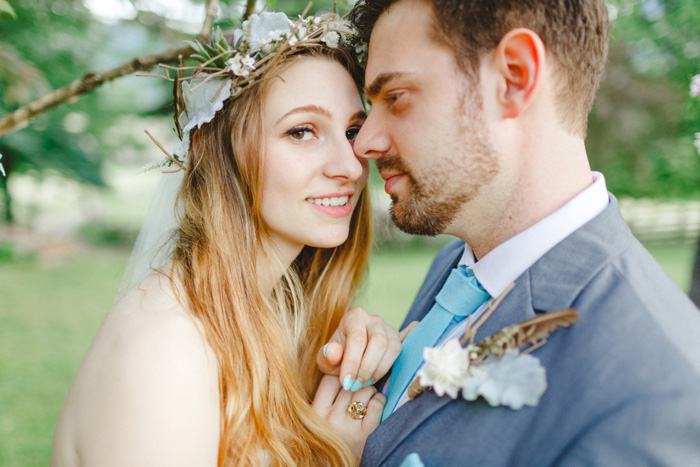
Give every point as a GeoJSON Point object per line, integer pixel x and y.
{"type": "Point", "coordinates": [91, 81]}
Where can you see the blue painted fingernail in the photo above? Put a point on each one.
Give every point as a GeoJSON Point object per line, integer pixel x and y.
{"type": "Point", "coordinates": [347, 382]}
{"type": "Point", "coordinates": [357, 385]}
{"type": "Point", "coordinates": [324, 350]}
{"type": "Point", "coordinates": [369, 383]}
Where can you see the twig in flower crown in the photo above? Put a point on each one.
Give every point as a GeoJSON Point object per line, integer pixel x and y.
{"type": "Point", "coordinates": [308, 7]}
{"type": "Point", "coordinates": [160, 146]}
{"type": "Point", "coordinates": [208, 77]}
{"type": "Point", "coordinates": [177, 105]}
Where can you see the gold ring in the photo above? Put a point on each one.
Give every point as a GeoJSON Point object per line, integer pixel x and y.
{"type": "Point", "coordinates": [357, 410]}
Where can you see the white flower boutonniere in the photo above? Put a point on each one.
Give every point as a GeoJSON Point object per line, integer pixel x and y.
{"type": "Point", "coordinates": [494, 368]}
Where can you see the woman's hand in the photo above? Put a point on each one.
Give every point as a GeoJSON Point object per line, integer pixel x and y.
{"type": "Point", "coordinates": [331, 402]}
{"type": "Point", "coordinates": [361, 351]}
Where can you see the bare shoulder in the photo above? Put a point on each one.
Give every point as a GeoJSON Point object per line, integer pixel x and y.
{"type": "Point", "coordinates": [147, 390]}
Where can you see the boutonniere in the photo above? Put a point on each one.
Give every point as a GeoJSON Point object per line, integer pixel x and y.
{"type": "Point", "coordinates": [499, 368]}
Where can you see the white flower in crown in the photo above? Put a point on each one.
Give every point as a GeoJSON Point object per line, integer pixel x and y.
{"type": "Point", "coordinates": [248, 62]}
{"type": "Point", "coordinates": [2, 169]}
{"type": "Point", "coordinates": [331, 39]}
{"type": "Point", "coordinates": [234, 65]}
{"type": "Point", "coordinates": [445, 368]}
{"type": "Point", "coordinates": [258, 28]}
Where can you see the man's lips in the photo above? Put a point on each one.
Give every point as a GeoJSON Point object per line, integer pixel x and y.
{"type": "Point", "coordinates": [391, 179]}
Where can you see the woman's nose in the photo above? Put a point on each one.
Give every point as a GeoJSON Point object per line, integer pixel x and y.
{"type": "Point", "coordinates": [344, 164]}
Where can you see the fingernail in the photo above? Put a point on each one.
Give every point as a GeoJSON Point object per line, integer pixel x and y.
{"type": "Point", "coordinates": [347, 382]}
{"type": "Point", "coordinates": [324, 350]}
{"type": "Point", "coordinates": [357, 385]}
{"type": "Point", "coordinates": [369, 383]}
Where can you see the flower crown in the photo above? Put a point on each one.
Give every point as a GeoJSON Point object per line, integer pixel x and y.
{"type": "Point", "coordinates": [225, 71]}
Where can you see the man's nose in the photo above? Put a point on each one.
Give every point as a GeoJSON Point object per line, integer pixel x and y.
{"type": "Point", "coordinates": [372, 140]}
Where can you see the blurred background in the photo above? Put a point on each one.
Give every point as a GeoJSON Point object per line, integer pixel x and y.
{"type": "Point", "coordinates": [72, 200]}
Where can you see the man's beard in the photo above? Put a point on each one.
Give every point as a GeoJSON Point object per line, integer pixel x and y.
{"type": "Point", "coordinates": [437, 194]}
{"type": "Point", "coordinates": [423, 211]}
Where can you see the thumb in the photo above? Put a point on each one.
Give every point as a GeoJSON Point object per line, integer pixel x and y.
{"type": "Point", "coordinates": [329, 357]}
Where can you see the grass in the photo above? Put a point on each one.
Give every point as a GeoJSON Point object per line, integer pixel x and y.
{"type": "Point", "coordinates": [48, 316]}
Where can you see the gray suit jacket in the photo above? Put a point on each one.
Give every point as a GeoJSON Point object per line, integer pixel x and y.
{"type": "Point", "coordinates": [623, 382]}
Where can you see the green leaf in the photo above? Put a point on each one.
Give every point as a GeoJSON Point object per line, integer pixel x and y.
{"type": "Point", "coordinates": [219, 35]}
{"type": "Point", "coordinates": [199, 57]}
{"type": "Point", "coordinates": [196, 46]}
{"type": "Point", "coordinates": [6, 8]}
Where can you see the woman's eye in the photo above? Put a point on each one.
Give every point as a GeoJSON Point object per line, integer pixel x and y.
{"type": "Point", "coordinates": [301, 133]}
{"type": "Point", "coordinates": [351, 133]}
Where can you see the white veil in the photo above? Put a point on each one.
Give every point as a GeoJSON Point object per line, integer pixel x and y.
{"type": "Point", "coordinates": [155, 243]}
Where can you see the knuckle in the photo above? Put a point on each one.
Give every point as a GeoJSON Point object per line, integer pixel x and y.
{"type": "Point", "coordinates": [391, 331]}
{"type": "Point", "coordinates": [395, 346]}
{"type": "Point", "coordinates": [367, 392]}
{"type": "Point", "coordinates": [375, 319]}
{"type": "Point", "coordinates": [355, 313]}
{"type": "Point", "coordinates": [381, 340]}
{"type": "Point", "coordinates": [379, 401]}
{"type": "Point", "coordinates": [357, 338]}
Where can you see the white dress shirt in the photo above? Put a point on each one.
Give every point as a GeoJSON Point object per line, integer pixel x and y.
{"type": "Point", "coordinates": [509, 260]}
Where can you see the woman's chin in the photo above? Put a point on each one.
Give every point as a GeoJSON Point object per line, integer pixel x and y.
{"type": "Point", "coordinates": [331, 240]}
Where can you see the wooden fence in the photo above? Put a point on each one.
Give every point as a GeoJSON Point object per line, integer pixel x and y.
{"type": "Point", "coordinates": [654, 221]}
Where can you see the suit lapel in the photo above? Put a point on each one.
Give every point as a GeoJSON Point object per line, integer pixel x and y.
{"type": "Point", "coordinates": [552, 283]}
{"type": "Point", "coordinates": [515, 307]}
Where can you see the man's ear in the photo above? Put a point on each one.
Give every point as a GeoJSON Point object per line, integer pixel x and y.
{"type": "Point", "coordinates": [520, 61]}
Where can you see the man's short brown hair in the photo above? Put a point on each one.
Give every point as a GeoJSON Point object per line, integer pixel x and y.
{"type": "Point", "coordinates": [574, 32]}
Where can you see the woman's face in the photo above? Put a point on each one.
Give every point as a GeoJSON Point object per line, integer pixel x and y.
{"type": "Point", "coordinates": [312, 179]}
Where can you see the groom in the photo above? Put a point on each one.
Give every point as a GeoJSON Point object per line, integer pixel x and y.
{"type": "Point", "coordinates": [478, 119]}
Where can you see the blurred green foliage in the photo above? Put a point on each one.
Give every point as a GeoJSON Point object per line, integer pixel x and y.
{"type": "Point", "coordinates": [640, 131]}
{"type": "Point", "coordinates": [41, 48]}
{"type": "Point", "coordinates": [641, 128]}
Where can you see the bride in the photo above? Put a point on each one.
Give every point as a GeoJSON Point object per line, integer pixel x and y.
{"type": "Point", "coordinates": [211, 359]}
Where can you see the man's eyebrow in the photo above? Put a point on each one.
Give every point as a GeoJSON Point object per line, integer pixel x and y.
{"type": "Point", "coordinates": [360, 115]}
{"type": "Point", "coordinates": [307, 108]}
{"type": "Point", "coordinates": [374, 89]}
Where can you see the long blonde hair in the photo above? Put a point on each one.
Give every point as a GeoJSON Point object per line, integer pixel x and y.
{"type": "Point", "coordinates": [265, 345]}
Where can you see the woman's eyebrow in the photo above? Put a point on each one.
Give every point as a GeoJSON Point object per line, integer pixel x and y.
{"type": "Point", "coordinates": [307, 108]}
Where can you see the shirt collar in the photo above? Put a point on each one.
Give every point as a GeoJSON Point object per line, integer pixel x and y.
{"type": "Point", "coordinates": [509, 260]}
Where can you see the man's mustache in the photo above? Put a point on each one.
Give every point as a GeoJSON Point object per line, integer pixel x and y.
{"type": "Point", "coordinates": [391, 161]}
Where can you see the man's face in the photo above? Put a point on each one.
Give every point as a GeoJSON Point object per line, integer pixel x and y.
{"type": "Point", "coordinates": [425, 130]}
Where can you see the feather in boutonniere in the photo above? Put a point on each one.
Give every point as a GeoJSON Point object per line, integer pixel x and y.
{"type": "Point", "coordinates": [497, 368]}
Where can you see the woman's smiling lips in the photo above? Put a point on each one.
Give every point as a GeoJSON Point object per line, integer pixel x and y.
{"type": "Point", "coordinates": [333, 204]}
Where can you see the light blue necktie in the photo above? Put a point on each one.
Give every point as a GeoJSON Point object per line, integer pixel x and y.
{"type": "Point", "coordinates": [461, 296]}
